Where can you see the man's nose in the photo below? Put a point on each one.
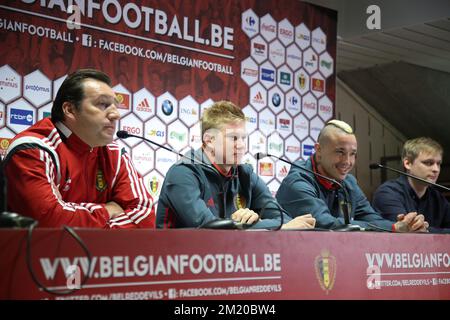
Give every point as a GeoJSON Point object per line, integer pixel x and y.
{"type": "Point", "coordinates": [113, 112]}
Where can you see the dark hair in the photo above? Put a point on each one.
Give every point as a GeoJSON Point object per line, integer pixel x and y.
{"type": "Point", "coordinates": [72, 90]}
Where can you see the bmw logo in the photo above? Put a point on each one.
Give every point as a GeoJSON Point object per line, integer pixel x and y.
{"type": "Point", "coordinates": [167, 107]}
{"type": "Point", "coordinates": [276, 99]}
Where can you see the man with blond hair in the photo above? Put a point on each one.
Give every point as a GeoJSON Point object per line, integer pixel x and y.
{"type": "Point", "coordinates": [334, 157]}
{"type": "Point", "coordinates": [211, 183]}
{"type": "Point", "coordinates": [421, 157]}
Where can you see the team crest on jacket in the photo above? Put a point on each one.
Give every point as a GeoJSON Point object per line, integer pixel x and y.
{"type": "Point", "coordinates": [100, 182]}
{"type": "Point", "coordinates": [325, 266]}
{"type": "Point", "coordinates": [239, 202]}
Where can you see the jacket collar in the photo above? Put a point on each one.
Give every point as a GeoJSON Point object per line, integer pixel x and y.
{"type": "Point", "coordinates": [72, 140]}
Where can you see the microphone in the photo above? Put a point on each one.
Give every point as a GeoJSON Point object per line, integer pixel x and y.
{"type": "Point", "coordinates": [10, 219]}
{"type": "Point", "coordinates": [213, 224]}
{"type": "Point", "coordinates": [347, 226]}
{"type": "Point", "coordinates": [373, 166]}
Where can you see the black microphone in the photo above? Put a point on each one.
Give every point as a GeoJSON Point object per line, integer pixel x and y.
{"type": "Point", "coordinates": [373, 166]}
{"type": "Point", "coordinates": [347, 226]}
{"type": "Point", "coordinates": [10, 219]}
{"type": "Point", "coordinates": [213, 224]}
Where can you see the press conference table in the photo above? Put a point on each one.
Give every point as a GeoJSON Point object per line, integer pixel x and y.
{"type": "Point", "coordinates": [226, 264]}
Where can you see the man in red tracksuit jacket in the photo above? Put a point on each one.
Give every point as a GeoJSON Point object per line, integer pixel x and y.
{"type": "Point", "coordinates": [66, 170]}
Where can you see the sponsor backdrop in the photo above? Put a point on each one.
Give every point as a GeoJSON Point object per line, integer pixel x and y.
{"type": "Point", "coordinates": [169, 60]}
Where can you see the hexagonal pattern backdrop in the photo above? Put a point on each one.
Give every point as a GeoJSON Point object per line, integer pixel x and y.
{"type": "Point", "coordinates": [283, 78]}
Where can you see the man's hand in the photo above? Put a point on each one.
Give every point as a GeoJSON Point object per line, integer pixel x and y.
{"type": "Point", "coordinates": [245, 216]}
{"type": "Point", "coordinates": [301, 222]}
{"type": "Point", "coordinates": [113, 209]}
{"type": "Point", "coordinates": [411, 222]}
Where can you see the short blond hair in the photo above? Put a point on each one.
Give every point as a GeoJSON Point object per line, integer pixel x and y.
{"type": "Point", "coordinates": [220, 113]}
{"type": "Point", "coordinates": [413, 147]}
{"type": "Point", "coordinates": [333, 126]}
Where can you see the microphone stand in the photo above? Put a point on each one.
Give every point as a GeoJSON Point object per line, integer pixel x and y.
{"type": "Point", "coordinates": [347, 226]}
{"type": "Point", "coordinates": [380, 166]}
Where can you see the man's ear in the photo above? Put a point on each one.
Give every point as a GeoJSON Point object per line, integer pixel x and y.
{"type": "Point", "coordinates": [407, 164]}
{"type": "Point", "coordinates": [317, 151]}
{"type": "Point", "coordinates": [68, 109]}
{"type": "Point", "coordinates": [209, 137]}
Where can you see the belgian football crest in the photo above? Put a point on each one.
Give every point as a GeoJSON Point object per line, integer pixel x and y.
{"type": "Point", "coordinates": [239, 202]}
{"type": "Point", "coordinates": [100, 182]}
{"type": "Point", "coordinates": [154, 184]}
{"type": "Point", "coordinates": [325, 266]}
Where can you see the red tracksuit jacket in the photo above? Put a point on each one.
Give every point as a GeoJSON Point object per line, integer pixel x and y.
{"type": "Point", "coordinates": [57, 179]}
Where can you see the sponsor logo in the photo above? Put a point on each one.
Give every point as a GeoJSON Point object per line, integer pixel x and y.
{"type": "Point", "coordinates": [285, 78]}
{"type": "Point", "coordinates": [293, 101]}
{"type": "Point", "coordinates": [124, 100]}
{"type": "Point", "coordinates": [250, 21]}
{"type": "Point", "coordinates": [276, 146]}
{"type": "Point", "coordinates": [283, 171]}
{"type": "Point", "coordinates": [100, 182]}
{"type": "Point", "coordinates": [47, 114]}
{"type": "Point", "coordinates": [259, 48]}
{"type": "Point", "coordinates": [276, 53]}
{"type": "Point", "coordinates": [268, 122]}
{"type": "Point", "coordinates": [22, 117]}
{"type": "Point", "coordinates": [250, 119]}
{"type": "Point", "coordinates": [154, 185]}
{"type": "Point", "coordinates": [293, 149]}
{"type": "Point", "coordinates": [266, 169]}
{"type": "Point", "coordinates": [1, 115]}
{"type": "Point", "coordinates": [285, 124]}
{"type": "Point", "coordinates": [9, 83]}
{"type": "Point", "coordinates": [144, 106]}
{"type": "Point", "coordinates": [167, 107]}
{"type": "Point", "coordinates": [143, 157]}
{"type": "Point", "coordinates": [318, 85]}
{"type": "Point", "coordinates": [132, 130]}
{"type": "Point", "coordinates": [156, 133]}
{"type": "Point", "coordinates": [268, 27]}
{"type": "Point", "coordinates": [325, 108]}
{"type": "Point", "coordinates": [165, 160]}
{"type": "Point", "coordinates": [286, 33]}
{"type": "Point", "coordinates": [302, 80]}
{"type": "Point", "coordinates": [177, 136]}
{"type": "Point", "coordinates": [188, 111]}
{"type": "Point", "coordinates": [326, 64]}
{"type": "Point", "coordinates": [303, 37]}
{"type": "Point", "coordinates": [276, 99]}
{"type": "Point", "coordinates": [309, 105]}
{"type": "Point", "coordinates": [34, 87]}
{"type": "Point", "coordinates": [258, 98]}
{"type": "Point", "coordinates": [302, 125]}
{"type": "Point", "coordinates": [312, 61]}
{"type": "Point", "coordinates": [316, 129]}
{"type": "Point", "coordinates": [318, 40]}
{"type": "Point", "coordinates": [250, 72]}
{"type": "Point", "coordinates": [293, 56]}
{"type": "Point", "coordinates": [268, 75]}
{"type": "Point", "coordinates": [325, 266]}
{"type": "Point", "coordinates": [307, 149]}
